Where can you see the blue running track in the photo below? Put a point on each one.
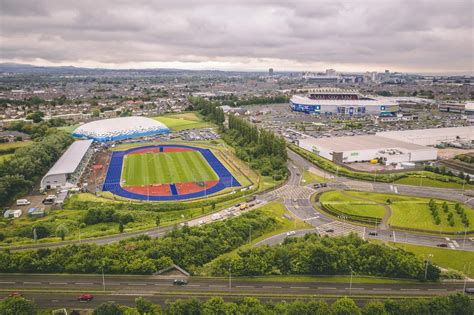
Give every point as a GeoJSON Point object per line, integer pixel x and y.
{"type": "Point", "coordinates": [112, 180]}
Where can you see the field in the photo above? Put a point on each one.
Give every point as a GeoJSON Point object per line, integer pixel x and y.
{"type": "Point", "coordinates": [350, 204]}
{"type": "Point", "coordinates": [406, 211]}
{"type": "Point", "coordinates": [183, 121]}
{"type": "Point", "coordinates": [445, 258]}
{"type": "Point", "coordinates": [166, 168]}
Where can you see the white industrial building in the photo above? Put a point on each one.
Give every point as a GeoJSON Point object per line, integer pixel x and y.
{"type": "Point", "coordinates": [67, 170]}
{"type": "Point", "coordinates": [366, 148]}
{"type": "Point", "coordinates": [433, 136]}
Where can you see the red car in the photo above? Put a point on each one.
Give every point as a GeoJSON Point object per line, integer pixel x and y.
{"type": "Point", "coordinates": [85, 297]}
{"type": "Point", "coordinates": [15, 294]}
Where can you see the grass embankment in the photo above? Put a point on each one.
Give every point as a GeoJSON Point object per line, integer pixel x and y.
{"type": "Point", "coordinates": [183, 121]}
{"type": "Point", "coordinates": [410, 178]}
{"type": "Point", "coordinates": [69, 129]}
{"type": "Point", "coordinates": [352, 205]}
{"type": "Point", "coordinates": [407, 211]}
{"type": "Point", "coordinates": [445, 258]}
{"type": "Point", "coordinates": [309, 178]}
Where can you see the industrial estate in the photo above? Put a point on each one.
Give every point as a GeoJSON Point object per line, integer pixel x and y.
{"type": "Point", "coordinates": [152, 191]}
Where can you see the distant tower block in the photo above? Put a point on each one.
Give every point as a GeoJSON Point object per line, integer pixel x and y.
{"type": "Point", "coordinates": [270, 71]}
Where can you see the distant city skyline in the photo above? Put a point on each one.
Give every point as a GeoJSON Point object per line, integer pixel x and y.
{"type": "Point", "coordinates": [348, 36]}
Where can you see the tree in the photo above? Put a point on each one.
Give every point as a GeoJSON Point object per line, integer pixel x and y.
{"type": "Point", "coordinates": [144, 306]}
{"type": "Point", "coordinates": [374, 308]}
{"type": "Point", "coordinates": [17, 306]}
{"type": "Point", "coordinates": [158, 221]}
{"type": "Point", "coordinates": [461, 304]}
{"type": "Point", "coordinates": [214, 306]}
{"type": "Point", "coordinates": [121, 227]}
{"type": "Point", "coordinates": [345, 306]}
{"type": "Point", "coordinates": [108, 308]}
{"type": "Point", "coordinates": [62, 231]}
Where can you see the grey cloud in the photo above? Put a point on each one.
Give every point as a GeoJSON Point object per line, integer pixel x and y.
{"type": "Point", "coordinates": [399, 33]}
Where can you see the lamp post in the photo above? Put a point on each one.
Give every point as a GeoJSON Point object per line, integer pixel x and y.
{"type": "Point", "coordinates": [230, 276]}
{"type": "Point", "coordinates": [426, 265]}
{"type": "Point", "coordinates": [466, 271]}
{"type": "Point", "coordinates": [350, 283]}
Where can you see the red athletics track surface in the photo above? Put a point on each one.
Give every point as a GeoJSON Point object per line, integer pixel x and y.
{"type": "Point", "coordinates": [188, 188]}
{"type": "Point", "coordinates": [150, 190]}
{"type": "Point", "coordinates": [145, 150]}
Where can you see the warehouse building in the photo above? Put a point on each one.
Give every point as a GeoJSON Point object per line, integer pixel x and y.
{"type": "Point", "coordinates": [67, 170]}
{"type": "Point", "coordinates": [433, 136]}
{"type": "Point", "coordinates": [367, 148]}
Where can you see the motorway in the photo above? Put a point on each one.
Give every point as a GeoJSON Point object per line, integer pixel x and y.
{"type": "Point", "coordinates": [62, 290]}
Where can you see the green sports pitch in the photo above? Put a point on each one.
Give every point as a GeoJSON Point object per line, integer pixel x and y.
{"type": "Point", "coordinates": [166, 168]}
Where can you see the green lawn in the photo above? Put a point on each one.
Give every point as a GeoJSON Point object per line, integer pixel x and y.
{"type": "Point", "coordinates": [351, 205]}
{"type": "Point", "coordinates": [14, 145]}
{"type": "Point", "coordinates": [166, 168]}
{"type": "Point", "coordinates": [407, 211]}
{"type": "Point", "coordinates": [69, 129]}
{"type": "Point", "coordinates": [183, 121]}
{"type": "Point", "coordinates": [309, 178]}
{"type": "Point", "coordinates": [445, 258]}
{"type": "Point", "coordinates": [417, 181]}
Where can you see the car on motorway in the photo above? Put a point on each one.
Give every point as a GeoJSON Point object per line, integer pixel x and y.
{"type": "Point", "coordinates": [180, 282]}
{"type": "Point", "coordinates": [86, 297]}
{"type": "Point", "coordinates": [324, 184]}
{"type": "Point", "coordinates": [469, 290]}
{"type": "Point", "coordinates": [471, 239]}
{"type": "Point", "coordinates": [290, 233]}
{"type": "Point", "coordinates": [442, 245]}
{"type": "Point", "coordinates": [12, 294]}
{"type": "Point", "coordinates": [373, 233]}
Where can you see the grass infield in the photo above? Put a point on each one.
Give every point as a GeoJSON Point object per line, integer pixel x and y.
{"type": "Point", "coordinates": [166, 168]}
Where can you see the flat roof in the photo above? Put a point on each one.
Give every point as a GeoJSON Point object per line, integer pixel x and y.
{"type": "Point", "coordinates": [70, 160]}
{"type": "Point", "coordinates": [429, 133]}
{"type": "Point", "coordinates": [367, 142]}
{"type": "Point", "coordinates": [304, 100]}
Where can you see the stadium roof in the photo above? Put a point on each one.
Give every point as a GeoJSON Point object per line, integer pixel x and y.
{"type": "Point", "coordinates": [303, 100]}
{"type": "Point", "coordinates": [367, 142]}
{"type": "Point", "coordinates": [71, 159]}
{"type": "Point", "coordinates": [120, 128]}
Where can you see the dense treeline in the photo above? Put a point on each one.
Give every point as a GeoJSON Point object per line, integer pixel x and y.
{"type": "Point", "coordinates": [210, 110]}
{"type": "Point", "coordinates": [264, 150]}
{"type": "Point", "coordinates": [234, 101]}
{"type": "Point", "coordinates": [313, 255]}
{"type": "Point", "coordinates": [455, 304]}
{"type": "Point", "coordinates": [28, 164]}
{"type": "Point", "coordinates": [188, 247]}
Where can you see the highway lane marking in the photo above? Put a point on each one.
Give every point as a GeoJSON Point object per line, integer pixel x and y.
{"type": "Point", "coordinates": [436, 289]}
{"type": "Point", "coordinates": [382, 289]}
{"type": "Point", "coordinates": [58, 283]}
{"type": "Point", "coordinates": [164, 284]}
{"type": "Point", "coordinates": [84, 283]}
{"type": "Point", "coordinates": [244, 286]}
{"type": "Point", "coordinates": [27, 282]}
{"type": "Point", "coordinates": [271, 287]}
{"type": "Point", "coordinates": [7, 282]}
{"type": "Point", "coordinates": [299, 287]}
{"type": "Point", "coordinates": [217, 286]}
{"type": "Point", "coordinates": [409, 289]}
{"type": "Point", "coordinates": [137, 284]}
{"type": "Point", "coordinates": [326, 288]}
{"type": "Point", "coordinates": [193, 285]}
{"type": "Point", "coordinates": [354, 289]}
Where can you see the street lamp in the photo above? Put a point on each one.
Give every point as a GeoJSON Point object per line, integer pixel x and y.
{"type": "Point", "coordinates": [426, 265]}
{"type": "Point", "coordinates": [350, 283]}
{"type": "Point", "coordinates": [466, 271]}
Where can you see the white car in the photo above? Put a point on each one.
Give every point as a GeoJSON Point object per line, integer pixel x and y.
{"type": "Point", "coordinates": [22, 202]}
{"type": "Point", "coordinates": [290, 233]}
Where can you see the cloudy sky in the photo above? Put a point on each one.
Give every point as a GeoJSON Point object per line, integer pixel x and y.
{"type": "Point", "coordinates": [350, 35]}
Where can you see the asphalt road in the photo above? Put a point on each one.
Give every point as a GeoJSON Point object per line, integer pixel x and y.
{"type": "Point", "coordinates": [116, 285]}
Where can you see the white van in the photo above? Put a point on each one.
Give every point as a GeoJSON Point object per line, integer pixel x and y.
{"type": "Point", "coordinates": [22, 202]}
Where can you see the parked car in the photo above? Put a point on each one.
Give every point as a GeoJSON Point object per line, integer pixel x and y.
{"type": "Point", "coordinates": [22, 202]}
{"type": "Point", "coordinates": [469, 290]}
{"type": "Point", "coordinates": [85, 297]}
{"type": "Point", "coordinates": [290, 233]}
{"type": "Point", "coordinates": [330, 231]}
{"type": "Point", "coordinates": [180, 282]}
{"type": "Point", "coordinates": [373, 233]}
